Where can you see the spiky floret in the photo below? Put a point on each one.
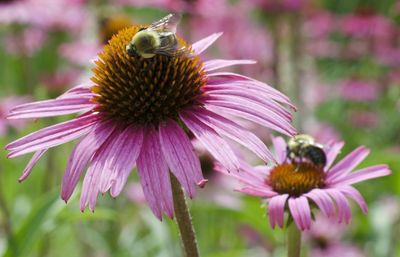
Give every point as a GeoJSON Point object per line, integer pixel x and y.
{"type": "Point", "coordinates": [143, 91]}
{"type": "Point", "coordinates": [296, 179]}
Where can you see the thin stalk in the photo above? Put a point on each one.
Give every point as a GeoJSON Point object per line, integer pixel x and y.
{"type": "Point", "coordinates": [293, 240]}
{"type": "Point", "coordinates": [184, 220]}
{"type": "Point", "coordinates": [7, 223]}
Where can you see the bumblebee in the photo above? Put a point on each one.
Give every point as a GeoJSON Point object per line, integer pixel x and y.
{"type": "Point", "coordinates": [158, 38]}
{"type": "Point", "coordinates": [304, 147]}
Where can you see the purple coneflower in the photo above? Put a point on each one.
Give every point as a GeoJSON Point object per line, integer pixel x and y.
{"type": "Point", "coordinates": [139, 112]}
{"type": "Point", "coordinates": [290, 186]}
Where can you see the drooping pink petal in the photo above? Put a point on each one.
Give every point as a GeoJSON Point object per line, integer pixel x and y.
{"type": "Point", "coordinates": [234, 79]}
{"type": "Point", "coordinates": [300, 214]}
{"type": "Point", "coordinates": [280, 149]}
{"type": "Point", "coordinates": [220, 63]}
{"type": "Point", "coordinates": [154, 175]}
{"type": "Point", "coordinates": [31, 164]}
{"type": "Point", "coordinates": [257, 191]}
{"type": "Point", "coordinates": [249, 177]}
{"type": "Point", "coordinates": [276, 207]}
{"type": "Point", "coordinates": [78, 90]}
{"type": "Point", "coordinates": [251, 112]}
{"type": "Point", "coordinates": [343, 208]}
{"type": "Point", "coordinates": [361, 175]}
{"type": "Point", "coordinates": [204, 43]}
{"type": "Point", "coordinates": [322, 200]}
{"type": "Point", "coordinates": [125, 158]}
{"type": "Point", "coordinates": [235, 132]}
{"type": "Point", "coordinates": [81, 155]}
{"type": "Point", "coordinates": [331, 153]}
{"type": "Point", "coordinates": [49, 108]}
{"type": "Point", "coordinates": [180, 156]}
{"type": "Point", "coordinates": [348, 163]}
{"type": "Point", "coordinates": [53, 135]}
{"type": "Point", "coordinates": [91, 182]}
{"type": "Point", "coordinates": [212, 141]}
{"type": "Point", "coordinates": [219, 93]}
{"type": "Point", "coordinates": [356, 196]}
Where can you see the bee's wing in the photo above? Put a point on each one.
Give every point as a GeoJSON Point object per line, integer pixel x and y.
{"type": "Point", "coordinates": [173, 51]}
{"type": "Point", "coordinates": [168, 23]}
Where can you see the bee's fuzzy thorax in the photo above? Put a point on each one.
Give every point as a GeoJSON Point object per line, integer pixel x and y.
{"type": "Point", "coordinates": [141, 91]}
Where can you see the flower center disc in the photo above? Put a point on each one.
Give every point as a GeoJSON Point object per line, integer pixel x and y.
{"type": "Point", "coordinates": [296, 179]}
{"type": "Point", "coordinates": [142, 91]}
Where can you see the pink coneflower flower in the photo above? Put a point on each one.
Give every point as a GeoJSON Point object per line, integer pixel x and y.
{"type": "Point", "coordinates": [291, 186]}
{"type": "Point", "coordinates": [325, 238]}
{"type": "Point", "coordinates": [6, 104]}
{"type": "Point", "coordinates": [359, 90]}
{"type": "Point", "coordinates": [137, 112]}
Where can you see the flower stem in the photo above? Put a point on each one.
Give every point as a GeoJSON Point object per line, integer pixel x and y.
{"type": "Point", "coordinates": [293, 240]}
{"type": "Point", "coordinates": [184, 220]}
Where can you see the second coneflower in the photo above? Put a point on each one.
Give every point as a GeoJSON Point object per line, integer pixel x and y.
{"type": "Point", "coordinates": [139, 112]}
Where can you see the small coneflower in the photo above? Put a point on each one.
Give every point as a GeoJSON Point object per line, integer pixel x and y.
{"type": "Point", "coordinates": [139, 112]}
{"type": "Point", "coordinates": [295, 187]}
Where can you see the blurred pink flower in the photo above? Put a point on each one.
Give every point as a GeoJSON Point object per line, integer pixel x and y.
{"type": "Point", "coordinates": [27, 43]}
{"type": "Point", "coordinates": [280, 5]}
{"type": "Point", "coordinates": [323, 132]}
{"type": "Point", "coordinates": [328, 188]}
{"type": "Point", "coordinates": [325, 238]}
{"type": "Point", "coordinates": [142, 128]}
{"type": "Point", "coordinates": [320, 25]}
{"type": "Point", "coordinates": [61, 80]}
{"type": "Point", "coordinates": [323, 48]}
{"type": "Point", "coordinates": [172, 5]}
{"type": "Point", "coordinates": [364, 119]}
{"type": "Point", "coordinates": [366, 25]}
{"type": "Point", "coordinates": [388, 55]}
{"type": "Point", "coordinates": [46, 14]}
{"type": "Point", "coordinates": [80, 52]}
{"type": "Point", "coordinates": [242, 37]}
{"type": "Point", "coordinates": [6, 104]}
{"type": "Point", "coordinates": [359, 90]}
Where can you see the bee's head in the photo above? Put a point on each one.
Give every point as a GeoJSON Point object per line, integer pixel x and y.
{"type": "Point", "coordinates": [131, 50]}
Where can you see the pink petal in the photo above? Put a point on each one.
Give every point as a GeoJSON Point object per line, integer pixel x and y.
{"type": "Point", "coordinates": [31, 164]}
{"type": "Point", "coordinates": [78, 90]}
{"type": "Point", "coordinates": [280, 149]}
{"type": "Point", "coordinates": [52, 136]}
{"type": "Point", "coordinates": [48, 108]}
{"type": "Point", "coordinates": [250, 178]}
{"type": "Point", "coordinates": [361, 175]}
{"type": "Point", "coordinates": [257, 191]}
{"type": "Point", "coordinates": [126, 158]}
{"type": "Point", "coordinates": [252, 112]}
{"type": "Point", "coordinates": [348, 163]}
{"type": "Point", "coordinates": [356, 196]}
{"type": "Point", "coordinates": [217, 92]}
{"type": "Point", "coordinates": [204, 43]}
{"type": "Point", "coordinates": [212, 141]}
{"type": "Point", "coordinates": [276, 207]}
{"type": "Point", "coordinates": [180, 156]}
{"type": "Point", "coordinates": [323, 201]}
{"type": "Point", "coordinates": [235, 132]}
{"type": "Point", "coordinates": [233, 79]}
{"type": "Point", "coordinates": [154, 175]}
{"type": "Point", "coordinates": [219, 63]}
{"type": "Point", "coordinates": [331, 153]}
{"type": "Point", "coordinates": [301, 213]}
{"type": "Point", "coordinates": [344, 212]}
{"type": "Point", "coordinates": [81, 155]}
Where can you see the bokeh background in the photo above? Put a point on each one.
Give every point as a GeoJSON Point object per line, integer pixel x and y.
{"type": "Point", "coordinates": [338, 60]}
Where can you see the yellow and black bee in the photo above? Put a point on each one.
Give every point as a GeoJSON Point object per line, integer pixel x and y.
{"type": "Point", "coordinates": [304, 147]}
{"type": "Point", "coordinates": [158, 38]}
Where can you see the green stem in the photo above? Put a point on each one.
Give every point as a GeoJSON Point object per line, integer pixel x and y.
{"type": "Point", "coordinates": [7, 223]}
{"type": "Point", "coordinates": [184, 220]}
{"type": "Point", "coordinates": [293, 240]}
